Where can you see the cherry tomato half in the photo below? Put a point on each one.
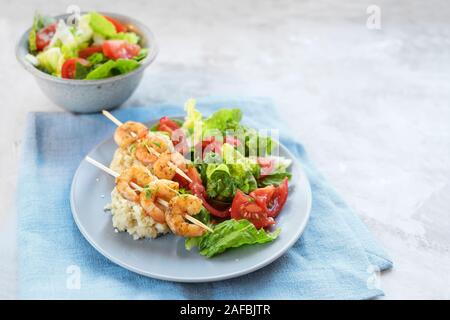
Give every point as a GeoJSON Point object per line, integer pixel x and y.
{"type": "Point", "coordinates": [44, 36]}
{"type": "Point", "coordinates": [69, 67]}
{"type": "Point", "coordinates": [272, 198]}
{"type": "Point", "coordinates": [168, 123]}
{"type": "Point", "coordinates": [245, 207]}
{"type": "Point", "coordinates": [120, 49]}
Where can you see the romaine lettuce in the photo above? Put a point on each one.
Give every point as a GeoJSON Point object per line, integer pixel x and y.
{"type": "Point", "coordinates": [193, 116]}
{"type": "Point", "coordinates": [51, 60]}
{"type": "Point", "coordinates": [101, 25]}
{"type": "Point", "coordinates": [84, 31]}
{"type": "Point", "coordinates": [96, 58]}
{"type": "Point", "coordinates": [130, 37]}
{"type": "Point", "coordinates": [230, 234]}
{"type": "Point", "coordinates": [223, 120]}
{"type": "Point", "coordinates": [112, 68]}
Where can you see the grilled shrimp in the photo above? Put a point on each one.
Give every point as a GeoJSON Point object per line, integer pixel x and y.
{"type": "Point", "coordinates": [129, 132]}
{"type": "Point", "coordinates": [145, 147]}
{"type": "Point", "coordinates": [159, 189]}
{"type": "Point", "coordinates": [151, 207]}
{"type": "Point", "coordinates": [179, 207]}
{"type": "Point", "coordinates": [165, 166]}
{"type": "Point", "coordinates": [136, 174]}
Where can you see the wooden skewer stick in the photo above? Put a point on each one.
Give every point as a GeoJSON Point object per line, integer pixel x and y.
{"type": "Point", "coordinates": [197, 222]}
{"type": "Point", "coordinates": [111, 172]}
{"type": "Point", "coordinates": [118, 123]}
{"type": "Point", "coordinates": [139, 188]}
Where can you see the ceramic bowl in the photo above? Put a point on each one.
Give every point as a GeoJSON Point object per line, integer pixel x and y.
{"type": "Point", "coordinates": [86, 96]}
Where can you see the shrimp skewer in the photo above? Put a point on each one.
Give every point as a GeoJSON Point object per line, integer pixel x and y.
{"type": "Point", "coordinates": [162, 202]}
{"type": "Point", "coordinates": [150, 149]}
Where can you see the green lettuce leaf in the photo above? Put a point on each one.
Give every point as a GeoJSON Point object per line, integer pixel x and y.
{"type": "Point", "coordinates": [230, 234]}
{"type": "Point", "coordinates": [102, 71]}
{"type": "Point", "coordinates": [112, 68]}
{"type": "Point", "coordinates": [80, 71]}
{"type": "Point", "coordinates": [220, 183]}
{"type": "Point", "coordinates": [51, 60]}
{"type": "Point", "coordinates": [126, 65]}
{"type": "Point", "coordinates": [244, 179]}
{"type": "Point", "coordinates": [223, 179]}
{"type": "Point", "coordinates": [101, 25]}
{"type": "Point", "coordinates": [193, 116]}
{"type": "Point", "coordinates": [274, 179]}
{"type": "Point", "coordinates": [142, 54]}
{"type": "Point", "coordinates": [84, 31]}
{"type": "Point", "coordinates": [223, 120]}
{"type": "Point", "coordinates": [32, 36]}
{"type": "Point", "coordinates": [130, 37]}
{"type": "Point", "coordinates": [96, 58]}
{"type": "Point", "coordinates": [203, 216]}
{"type": "Point", "coordinates": [232, 156]}
{"type": "Point", "coordinates": [32, 41]}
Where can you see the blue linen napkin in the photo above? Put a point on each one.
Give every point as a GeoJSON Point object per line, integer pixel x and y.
{"type": "Point", "coordinates": [335, 258]}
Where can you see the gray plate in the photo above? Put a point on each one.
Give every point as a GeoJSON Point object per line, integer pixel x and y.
{"type": "Point", "coordinates": [165, 257]}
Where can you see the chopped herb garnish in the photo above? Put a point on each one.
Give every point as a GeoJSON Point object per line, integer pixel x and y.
{"type": "Point", "coordinates": [132, 148]}
{"type": "Point", "coordinates": [148, 193]}
{"type": "Point", "coordinates": [156, 143]}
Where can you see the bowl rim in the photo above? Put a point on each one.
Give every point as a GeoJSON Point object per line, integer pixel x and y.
{"type": "Point", "coordinates": [141, 28]}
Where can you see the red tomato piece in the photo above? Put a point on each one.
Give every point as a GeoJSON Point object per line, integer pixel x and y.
{"type": "Point", "coordinates": [120, 49]}
{"type": "Point", "coordinates": [245, 207]}
{"type": "Point", "coordinates": [272, 198]}
{"type": "Point", "coordinates": [118, 25]}
{"type": "Point", "coordinates": [263, 196]}
{"type": "Point", "coordinates": [69, 67]}
{"type": "Point", "coordinates": [89, 51]}
{"type": "Point", "coordinates": [176, 134]}
{"type": "Point", "coordinates": [44, 36]}
{"type": "Point", "coordinates": [169, 123]}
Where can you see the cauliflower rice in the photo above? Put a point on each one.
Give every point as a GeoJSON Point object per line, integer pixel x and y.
{"type": "Point", "coordinates": [122, 160]}
{"type": "Point", "coordinates": [129, 216]}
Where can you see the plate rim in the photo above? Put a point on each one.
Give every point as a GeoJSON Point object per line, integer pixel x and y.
{"type": "Point", "coordinates": [200, 279]}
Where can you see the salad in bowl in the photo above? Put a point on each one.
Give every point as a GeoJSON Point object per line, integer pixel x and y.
{"type": "Point", "coordinates": [89, 47]}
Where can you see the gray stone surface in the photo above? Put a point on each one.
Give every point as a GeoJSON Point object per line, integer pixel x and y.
{"type": "Point", "coordinates": [371, 106]}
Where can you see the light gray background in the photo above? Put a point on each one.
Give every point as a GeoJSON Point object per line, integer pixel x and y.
{"type": "Point", "coordinates": [371, 106]}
